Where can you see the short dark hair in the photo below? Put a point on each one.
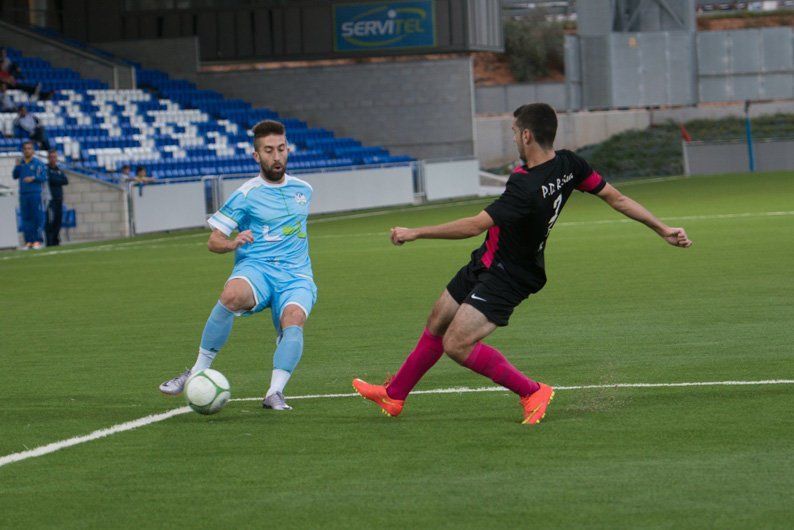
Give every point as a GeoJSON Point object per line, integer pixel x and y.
{"type": "Point", "coordinates": [139, 169]}
{"type": "Point", "coordinates": [126, 165]}
{"type": "Point", "coordinates": [52, 151]}
{"type": "Point", "coordinates": [268, 127]}
{"type": "Point", "coordinates": [26, 142]}
{"type": "Point", "coordinates": [541, 120]}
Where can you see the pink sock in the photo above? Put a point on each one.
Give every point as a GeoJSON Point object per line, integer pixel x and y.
{"type": "Point", "coordinates": [428, 351]}
{"type": "Point", "coordinates": [487, 361]}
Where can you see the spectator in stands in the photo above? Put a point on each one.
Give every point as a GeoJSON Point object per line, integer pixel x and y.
{"type": "Point", "coordinates": [125, 173]}
{"type": "Point", "coordinates": [32, 175]}
{"type": "Point", "coordinates": [27, 125]}
{"type": "Point", "coordinates": [57, 180]}
{"type": "Point", "coordinates": [10, 74]}
{"type": "Point", "coordinates": [8, 69]}
{"type": "Point", "coordinates": [6, 103]}
{"type": "Point", "coordinates": [141, 176]}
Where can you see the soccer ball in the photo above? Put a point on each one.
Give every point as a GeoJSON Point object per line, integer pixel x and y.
{"type": "Point", "coordinates": [207, 391]}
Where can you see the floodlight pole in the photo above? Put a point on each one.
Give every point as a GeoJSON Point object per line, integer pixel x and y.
{"type": "Point", "coordinates": [749, 134]}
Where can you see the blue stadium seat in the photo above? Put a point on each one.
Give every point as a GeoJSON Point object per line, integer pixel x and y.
{"type": "Point", "coordinates": [173, 127]}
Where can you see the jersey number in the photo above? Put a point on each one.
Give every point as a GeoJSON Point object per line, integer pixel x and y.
{"type": "Point", "coordinates": [557, 206]}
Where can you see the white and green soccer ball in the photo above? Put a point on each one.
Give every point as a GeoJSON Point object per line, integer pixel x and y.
{"type": "Point", "coordinates": [207, 391]}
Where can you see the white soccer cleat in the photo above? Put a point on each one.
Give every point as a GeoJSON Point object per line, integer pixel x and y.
{"type": "Point", "coordinates": [275, 402]}
{"type": "Point", "coordinates": [174, 387]}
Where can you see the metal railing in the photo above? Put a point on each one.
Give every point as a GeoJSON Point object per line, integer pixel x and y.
{"type": "Point", "coordinates": [116, 64]}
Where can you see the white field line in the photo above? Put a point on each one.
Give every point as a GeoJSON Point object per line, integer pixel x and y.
{"type": "Point", "coordinates": [154, 418]}
{"type": "Point", "coordinates": [125, 244]}
{"type": "Point", "coordinates": [166, 241]}
{"type": "Point", "coordinates": [121, 427]}
{"type": "Point", "coordinates": [468, 390]}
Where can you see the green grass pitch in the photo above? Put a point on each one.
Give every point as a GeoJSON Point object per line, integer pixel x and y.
{"type": "Point", "coordinates": [88, 333]}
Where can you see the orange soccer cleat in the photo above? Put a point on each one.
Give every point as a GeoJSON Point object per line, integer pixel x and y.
{"type": "Point", "coordinates": [377, 394]}
{"type": "Point", "coordinates": [535, 404]}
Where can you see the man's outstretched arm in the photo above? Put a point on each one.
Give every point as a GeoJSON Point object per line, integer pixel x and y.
{"type": "Point", "coordinates": [634, 210]}
{"type": "Point", "coordinates": [460, 229]}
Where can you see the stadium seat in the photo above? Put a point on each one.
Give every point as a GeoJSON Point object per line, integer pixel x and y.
{"type": "Point", "coordinates": [174, 128]}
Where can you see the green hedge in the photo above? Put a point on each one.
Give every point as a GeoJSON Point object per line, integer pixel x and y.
{"type": "Point", "coordinates": [534, 47]}
{"type": "Point", "coordinates": [656, 151]}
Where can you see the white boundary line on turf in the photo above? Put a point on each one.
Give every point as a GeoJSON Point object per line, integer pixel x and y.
{"type": "Point", "coordinates": [344, 217]}
{"type": "Point", "coordinates": [63, 444]}
{"type": "Point", "coordinates": [165, 241]}
{"type": "Point", "coordinates": [154, 418]}
{"type": "Point", "coordinates": [386, 211]}
{"type": "Point", "coordinates": [467, 390]}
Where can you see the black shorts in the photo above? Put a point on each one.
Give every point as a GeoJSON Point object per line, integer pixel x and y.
{"type": "Point", "coordinates": [490, 291]}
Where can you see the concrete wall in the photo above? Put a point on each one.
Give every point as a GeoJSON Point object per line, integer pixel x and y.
{"type": "Point", "coordinates": [62, 56]}
{"type": "Point", "coordinates": [506, 98]}
{"type": "Point", "coordinates": [101, 208]}
{"type": "Point", "coordinates": [170, 206]}
{"type": "Point", "coordinates": [179, 57]}
{"type": "Point", "coordinates": [363, 188]}
{"type": "Point", "coordinates": [7, 163]}
{"type": "Point", "coordinates": [9, 237]}
{"type": "Point", "coordinates": [495, 145]}
{"type": "Point", "coordinates": [420, 108]}
{"type": "Point", "coordinates": [447, 179]}
{"type": "Point", "coordinates": [715, 112]}
{"type": "Point", "coordinates": [701, 158]}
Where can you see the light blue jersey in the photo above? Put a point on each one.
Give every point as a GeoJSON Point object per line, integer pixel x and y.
{"type": "Point", "coordinates": [276, 214]}
{"type": "Point", "coordinates": [277, 263]}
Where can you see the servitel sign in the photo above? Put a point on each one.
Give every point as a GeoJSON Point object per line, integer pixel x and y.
{"type": "Point", "coordinates": [384, 25]}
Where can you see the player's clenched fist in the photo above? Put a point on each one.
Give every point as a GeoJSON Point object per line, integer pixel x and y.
{"type": "Point", "coordinates": [677, 237]}
{"type": "Point", "coordinates": [400, 235]}
{"type": "Point", "coordinates": [244, 237]}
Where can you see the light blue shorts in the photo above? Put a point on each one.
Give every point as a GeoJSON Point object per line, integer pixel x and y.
{"type": "Point", "coordinates": [276, 289]}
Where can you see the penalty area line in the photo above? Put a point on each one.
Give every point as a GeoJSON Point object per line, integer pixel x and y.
{"type": "Point", "coordinates": [155, 418]}
{"type": "Point", "coordinates": [468, 390]}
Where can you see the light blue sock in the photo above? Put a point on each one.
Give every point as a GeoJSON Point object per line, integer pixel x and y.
{"type": "Point", "coordinates": [216, 331]}
{"type": "Point", "coordinates": [288, 353]}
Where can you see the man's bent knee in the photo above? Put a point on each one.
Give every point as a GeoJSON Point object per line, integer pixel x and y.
{"type": "Point", "coordinates": [237, 296]}
{"type": "Point", "coordinates": [293, 315]}
{"type": "Point", "coordinates": [457, 347]}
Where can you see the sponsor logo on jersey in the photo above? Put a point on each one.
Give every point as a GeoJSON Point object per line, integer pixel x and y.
{"type": "Point", "coordinates": [300, 198]}
{"type": "Point", "coordinates": [295, 230]}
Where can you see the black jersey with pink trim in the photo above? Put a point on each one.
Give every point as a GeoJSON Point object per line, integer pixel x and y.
{"type": "Point", "coordinates": [526, 212]}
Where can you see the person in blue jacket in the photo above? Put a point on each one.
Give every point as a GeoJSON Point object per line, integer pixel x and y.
{"type": "Point", "coordinates": [57, 179]}
{"type": "Point", "coordinates": [32, 175]}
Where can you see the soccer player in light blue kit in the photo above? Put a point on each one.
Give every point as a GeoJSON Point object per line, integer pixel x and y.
{"type": "Point", "coordinates": [271, 262]}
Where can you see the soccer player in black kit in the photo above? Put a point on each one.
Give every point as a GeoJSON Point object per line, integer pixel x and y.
{"type": "Point", "coordinates": [508, 267]}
